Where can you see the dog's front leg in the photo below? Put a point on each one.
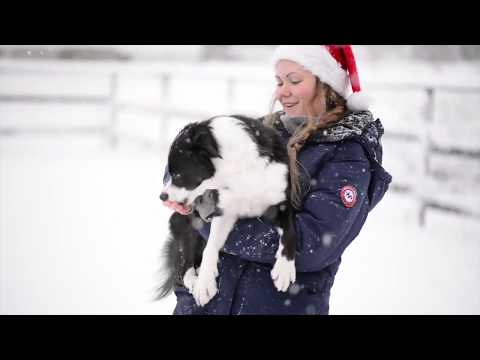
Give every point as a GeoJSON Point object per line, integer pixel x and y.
{"type": "Point", "coordinates": [205, 287]}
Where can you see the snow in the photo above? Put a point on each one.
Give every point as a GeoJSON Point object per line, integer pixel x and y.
{"type": "Point", "coordinates": [81, 224]}
{"type": "Point", "coordinates": [82, 227]}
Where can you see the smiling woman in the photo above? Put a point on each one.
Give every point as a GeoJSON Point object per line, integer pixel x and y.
{"type": "Point", "coordinates": [336, 179]}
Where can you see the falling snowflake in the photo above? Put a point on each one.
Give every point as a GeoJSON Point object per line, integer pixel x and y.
{"type": "Point", "coordinates": [294, 289]}
{"type": "Point", "coordinates": [197, 224]}
{"type": "Point", "coordinates": [327, 239]}
{"type": "Point", "coordinates": [310, 309]}
{"type": "Point", "coordinates": [287, 302]}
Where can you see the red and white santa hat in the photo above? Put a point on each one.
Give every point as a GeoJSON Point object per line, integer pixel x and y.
{"type": "Point", "coordinates": [333, 64]}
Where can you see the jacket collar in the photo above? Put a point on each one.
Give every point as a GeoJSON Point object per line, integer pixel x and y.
{"type": "Point", "coordinates": [359, 126]}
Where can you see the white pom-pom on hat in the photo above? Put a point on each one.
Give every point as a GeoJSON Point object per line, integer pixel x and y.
{"type": "Point", "coordinates": [333, 64]}
{"type": "Point", "coordinates": [359, 101]}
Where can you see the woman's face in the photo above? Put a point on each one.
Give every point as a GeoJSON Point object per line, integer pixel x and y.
{"type": "Point", "coordinates": [296, 88]}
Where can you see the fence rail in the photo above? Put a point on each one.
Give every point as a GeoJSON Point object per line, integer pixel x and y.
{"type": "Point", "coordinates": [425, 185]}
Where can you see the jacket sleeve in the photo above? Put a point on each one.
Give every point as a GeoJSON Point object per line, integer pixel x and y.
{"type": "Point", "coordinates": [325, 226]}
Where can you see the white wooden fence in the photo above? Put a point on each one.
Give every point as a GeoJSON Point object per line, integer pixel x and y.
{"type": "Point", "coordinates": [431, 144]}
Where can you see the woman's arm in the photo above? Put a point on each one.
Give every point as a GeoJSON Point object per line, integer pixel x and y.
{"type": "Point", "coordinates": [324, 228]}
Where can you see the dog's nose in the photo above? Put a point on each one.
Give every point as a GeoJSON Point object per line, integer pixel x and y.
{"type": "Point", "coordinates": [164, 196]}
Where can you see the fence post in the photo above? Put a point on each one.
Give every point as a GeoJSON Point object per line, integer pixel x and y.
{"type": "Point", "coordinates": [112, 131]}
{"type": "Point", "coordinates": [165, 80]}
{"type": "Point", "coordinates": [230, 94]}
{"type": "Point", "coordinates": [426, 144]}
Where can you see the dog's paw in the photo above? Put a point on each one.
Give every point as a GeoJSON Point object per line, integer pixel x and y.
{"type": "Point", "coordinates": [205, 288]}
{"type": "Point", "coordinates": [283, 273]}
{"type": "Point", "coordinates": [189, 279]}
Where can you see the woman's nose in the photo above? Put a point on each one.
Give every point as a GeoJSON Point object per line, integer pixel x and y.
{"type": "Point", "coordinates": [284, 90]}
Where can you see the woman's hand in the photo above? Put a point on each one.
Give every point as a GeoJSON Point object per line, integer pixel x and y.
{"type": "Point", "coordinates": [177, 207]}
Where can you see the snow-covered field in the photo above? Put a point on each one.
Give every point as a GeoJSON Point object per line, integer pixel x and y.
{"type": "Point", "coordinates": [81, 228]}
{"type": "Point", "coordinates": [81, 224]}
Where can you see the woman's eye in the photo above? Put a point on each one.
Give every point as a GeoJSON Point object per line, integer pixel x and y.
{"type": "Point", "coordinates": [293, 82]}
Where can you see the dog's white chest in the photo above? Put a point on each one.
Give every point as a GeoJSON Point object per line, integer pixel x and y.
{"type": "Point", "coordinates": [249, 183]}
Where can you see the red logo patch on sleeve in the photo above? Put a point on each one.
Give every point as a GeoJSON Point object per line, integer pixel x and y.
{"type": "Point", "coordinates": [348, 194]}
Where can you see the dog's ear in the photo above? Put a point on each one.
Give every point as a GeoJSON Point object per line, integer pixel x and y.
{"type": "Point", "coordinates": [211, 151]}
{"type": "Point", "coordinates": [204, 142]}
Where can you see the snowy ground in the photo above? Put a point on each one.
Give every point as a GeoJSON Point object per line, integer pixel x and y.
{"type": "Point", "coordinates": [81, 226]}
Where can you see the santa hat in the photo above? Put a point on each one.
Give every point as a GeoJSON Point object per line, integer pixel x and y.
{"type": "Point", "coordinates": [332, 64]}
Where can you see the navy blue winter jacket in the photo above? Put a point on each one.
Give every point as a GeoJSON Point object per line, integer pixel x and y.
{"type": "Point", "coordinates": [325, 226]}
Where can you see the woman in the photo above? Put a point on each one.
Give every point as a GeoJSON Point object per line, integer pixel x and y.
{"type": "Point", "coordinates": [337, 178]}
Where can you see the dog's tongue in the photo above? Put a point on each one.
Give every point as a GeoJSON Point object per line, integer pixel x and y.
{"type": "Point", "coordinates": [184, 210]}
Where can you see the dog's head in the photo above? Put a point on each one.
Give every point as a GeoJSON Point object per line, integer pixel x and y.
{"type": "Point", "coordinates": [190, 163]}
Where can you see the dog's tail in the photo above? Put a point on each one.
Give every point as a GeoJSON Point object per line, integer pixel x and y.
{"type": "Point", "coordinates": [171, 270]}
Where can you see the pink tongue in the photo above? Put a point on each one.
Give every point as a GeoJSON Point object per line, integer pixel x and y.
{"type": "Point", "coordinates": [182, 209]}
{"type": "Point", "coordinates": [184, 212]}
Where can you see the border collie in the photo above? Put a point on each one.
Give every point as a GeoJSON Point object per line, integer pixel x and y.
{"type": "Point", "coordinates": [224, 169]}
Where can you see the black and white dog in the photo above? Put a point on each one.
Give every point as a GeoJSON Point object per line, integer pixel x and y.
{"type": "Point", "coordinates": [224, 169]}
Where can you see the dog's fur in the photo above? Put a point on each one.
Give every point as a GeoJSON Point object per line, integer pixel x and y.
{"type": "Point", "coordinates": [224, 169]}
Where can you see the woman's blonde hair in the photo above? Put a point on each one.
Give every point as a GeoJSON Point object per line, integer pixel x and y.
{"type": "Point", "coordinates": [332, 109]}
